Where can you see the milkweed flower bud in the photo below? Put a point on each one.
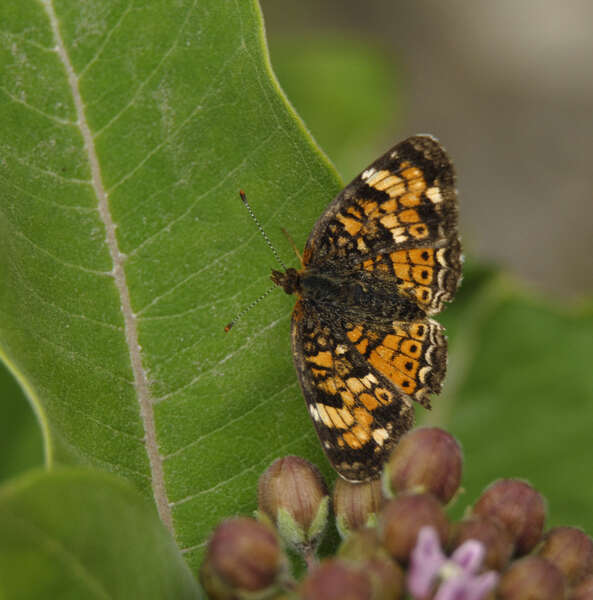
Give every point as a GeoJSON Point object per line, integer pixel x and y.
{"type": "Point", "coordinates": [387, 577]}
{"type": "Point", "coordinates": [356, 504]}
{"type": "Point", "coordinates": [519, 507]}
{"type": "Point", "coordinates": [293, 495]}
{"type": "Point", "coordinates": [215, 586]}
{"type": "Point", "coordinates": [497, 541]}
{"type": "Point", "coordinates": [242, 556]}
{"type": "Point", "coordinates": [426, 460]}
{"type": "Point", "coordinates": [402, 518]}
{"type": "Point", "coordinates": [571, 550]}
{"type": "Point", "coordinates": [362, 548]}
{"type": "Point", "coordinates": [336, 580]}
{"type": "Point", "coordinates": [532, 577]}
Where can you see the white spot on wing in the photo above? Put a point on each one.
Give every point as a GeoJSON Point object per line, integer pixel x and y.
{"type": "Point", "coordinates": [368, 173]}
{"type": "Point", "coordinates": [380, 435]}
{"type": "Point", "coordinates": [434, 195]}
{"type": "Point", "coordinates": [398, 238]}
{"type": "Point", "coordinates": [441, 257]}
{"type": "Point", "coordinates": [314, 413]}
{"type": "Point", "coordinates": [424, 371]}
{"type": "Point", "coordinates": [369, 379]}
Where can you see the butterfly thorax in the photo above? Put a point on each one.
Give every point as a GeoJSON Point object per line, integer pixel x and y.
{"type": "Point", "coordinates": [347, 294]}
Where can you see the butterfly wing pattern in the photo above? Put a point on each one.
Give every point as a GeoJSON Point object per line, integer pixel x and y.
{"type": "Point", "coordinates": [381, 260]}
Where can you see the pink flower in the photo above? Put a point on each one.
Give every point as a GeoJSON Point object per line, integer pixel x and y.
{"type": "Point", "coordinates": [429, 566]}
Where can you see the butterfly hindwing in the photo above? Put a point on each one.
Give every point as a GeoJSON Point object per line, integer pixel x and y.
{"type": "Point", "coordinates": [412, 355]}
{"type": "Point", "coordinates": [358, 411]}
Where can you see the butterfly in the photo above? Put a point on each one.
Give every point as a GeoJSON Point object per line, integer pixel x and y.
{"type": "Point", "coordinates": [381, 260]}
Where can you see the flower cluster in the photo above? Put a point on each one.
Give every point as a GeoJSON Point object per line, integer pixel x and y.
{"type": "Point", "coordinates": [397, 540]}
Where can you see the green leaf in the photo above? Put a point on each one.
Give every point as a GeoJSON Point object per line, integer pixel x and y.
{"type": "Point", "coordinates": [73, 533]}
{"type": "Point", "coordinates": [21, 438]}
{"type": "Point", "coordinates": [128, 131]}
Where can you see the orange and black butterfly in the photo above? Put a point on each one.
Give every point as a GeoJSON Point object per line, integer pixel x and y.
{"type": "Point", "coordinates": [381, 260]}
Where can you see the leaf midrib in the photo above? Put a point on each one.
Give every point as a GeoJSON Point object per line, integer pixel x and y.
{"type": "Point", "coordinates": [119, 276]}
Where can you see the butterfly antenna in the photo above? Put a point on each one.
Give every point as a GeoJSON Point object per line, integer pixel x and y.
{"type": "Point", "coordinates": [291, 241]}
{"type": "Point", "coordinates": [227, 328]}
{"type": "Point", "coordinates": [274, 252]}
{"type": "Point", "coordinates": [261, 230]}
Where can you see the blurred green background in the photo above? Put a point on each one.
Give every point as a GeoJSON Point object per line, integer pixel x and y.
{"type": "Point", "coordinates": [507, 88]}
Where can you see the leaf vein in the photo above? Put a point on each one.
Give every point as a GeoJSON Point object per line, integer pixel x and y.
{"type": "Point", "coordinates": [176, 130]}
{"type": "Point", "coordinates": [105, 41]}
{"type": "Point", "coordinates": [36, 110]}
{"type": "Point", "coordinates": [23, 191]}
{"type": "Point", "coordinates": [141, 385]}
{"type": "Point", "coordinates": [141, 86]}
{"type": "Point", "coordinates": [227, 424]}
{"type": "Point", "coordinates": [262, 461]}
{"type": "Point", "coordinates": [58, 260]}
{"type": "Point", "coordinates": [196, 379]}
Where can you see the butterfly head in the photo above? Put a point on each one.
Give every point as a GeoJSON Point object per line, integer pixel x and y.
{"type": "Point", "coordinates": [289, 280]}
